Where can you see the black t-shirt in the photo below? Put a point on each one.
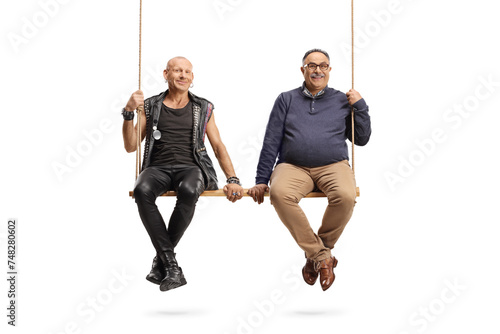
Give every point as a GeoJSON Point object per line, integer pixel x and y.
{"type": "Point", "coordinates": [175, 145]}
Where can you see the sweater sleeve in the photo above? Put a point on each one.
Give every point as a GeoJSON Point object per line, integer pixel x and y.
{"type": "Point", "coordinates": [362, 124]}
{"type": "Point", "coordinates": [272, 141]}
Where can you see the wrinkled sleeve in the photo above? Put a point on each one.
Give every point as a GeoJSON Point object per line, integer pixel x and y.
{"type": "Point", "coordinates": [362, 124]}
{"type": "Point", "coordinates": [272, 141]}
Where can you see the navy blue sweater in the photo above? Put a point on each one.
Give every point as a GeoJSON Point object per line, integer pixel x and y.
{"type": "Point", "coordinates": [311, 131]}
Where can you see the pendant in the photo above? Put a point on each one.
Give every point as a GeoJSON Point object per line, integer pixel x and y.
{"type": "Point", "coordinates": [156, 133]}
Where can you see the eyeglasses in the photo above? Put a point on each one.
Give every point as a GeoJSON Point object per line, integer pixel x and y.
{"type": "Point", "coordinates": [313, 66]}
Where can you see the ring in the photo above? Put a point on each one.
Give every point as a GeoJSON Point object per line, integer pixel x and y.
{"type": "Point", "coordinates": [234, 194]}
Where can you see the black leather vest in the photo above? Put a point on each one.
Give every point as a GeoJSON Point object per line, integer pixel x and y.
{"type": "Point", "coordinates": [202, 111]}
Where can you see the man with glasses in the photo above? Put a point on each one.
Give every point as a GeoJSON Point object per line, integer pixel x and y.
{"type": "Point", "coordinates": [306, 134]}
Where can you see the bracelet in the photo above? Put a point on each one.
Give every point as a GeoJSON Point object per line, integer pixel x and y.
{"type": "Point", "coordinates": [233, 179]}
{"type": "Point", "coordinates": [127, 115]}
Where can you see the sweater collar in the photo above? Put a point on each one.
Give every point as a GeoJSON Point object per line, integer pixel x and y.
{"type": "Point", "coordinates": [307, 93]}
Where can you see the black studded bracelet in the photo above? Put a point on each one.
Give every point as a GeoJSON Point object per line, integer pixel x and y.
{"type": "Point", "coordinates": [127, 115]}
{"type": "Point", "coordinates": [233, 179]}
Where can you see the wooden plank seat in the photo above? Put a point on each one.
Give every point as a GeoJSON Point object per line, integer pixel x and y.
{"type": "Point", "coordinates": [220, 193]}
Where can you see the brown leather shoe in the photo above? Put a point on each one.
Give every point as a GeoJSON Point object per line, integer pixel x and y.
{"type": "Point", "coordinates": [310, 273]}
{"type": "Point", "coordinates": [326, 272]}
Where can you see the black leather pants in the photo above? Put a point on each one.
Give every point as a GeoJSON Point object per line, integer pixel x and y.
{"type": "Point", "coordinates": [188, 181]}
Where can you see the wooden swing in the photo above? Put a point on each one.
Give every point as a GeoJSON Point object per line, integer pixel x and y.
{"type": "Point", "coordinates": [220, 192]}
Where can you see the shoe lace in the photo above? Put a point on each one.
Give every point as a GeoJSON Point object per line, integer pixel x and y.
{"type": "Point", "coordinates": [316, 265]}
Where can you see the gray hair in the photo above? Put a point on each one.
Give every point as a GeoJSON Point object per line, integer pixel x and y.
{"type": "Point", "coordinates": [315, 50]}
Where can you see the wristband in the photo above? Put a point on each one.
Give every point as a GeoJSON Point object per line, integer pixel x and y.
{"type": "Point", "coordinates": [127, 115]}
{"type": "Point", "coordinates": [233, 179]}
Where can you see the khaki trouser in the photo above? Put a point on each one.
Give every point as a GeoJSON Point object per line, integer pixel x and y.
{"type": "Point", "coordinates": [290, 183]}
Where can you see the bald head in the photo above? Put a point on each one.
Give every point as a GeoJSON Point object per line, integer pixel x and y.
{"type": "Point", "coordinates": [179, 60]}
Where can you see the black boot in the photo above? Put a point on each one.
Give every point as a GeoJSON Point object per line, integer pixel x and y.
{"type": "Point", "coordinates": [174, 277]}
{"type": "Point", "coordinates": [157, 273]}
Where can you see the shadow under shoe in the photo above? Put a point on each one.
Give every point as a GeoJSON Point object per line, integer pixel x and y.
{"type": "Point", "coordinates": [310, 272]}
{"type": "Point", "coordinates": [327, 276]}
{"type": "Point", "coordinates": [157, 273]}
{"type": "Point", "coordinates": [174, 277]}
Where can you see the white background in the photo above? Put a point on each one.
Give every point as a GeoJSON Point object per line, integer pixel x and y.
{"type": "Point", "coordinates": [405, 245]}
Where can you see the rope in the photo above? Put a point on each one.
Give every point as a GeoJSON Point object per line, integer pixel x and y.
{"type": "Point", "coordinates": [140, 108]}
{"type": "Point", "coordinates": [140, 42]}
{"type": "Point", "coordinates": [352, 70]}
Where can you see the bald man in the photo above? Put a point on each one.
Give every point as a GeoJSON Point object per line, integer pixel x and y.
{"type": "Point", "coordinates": [174, 124]}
